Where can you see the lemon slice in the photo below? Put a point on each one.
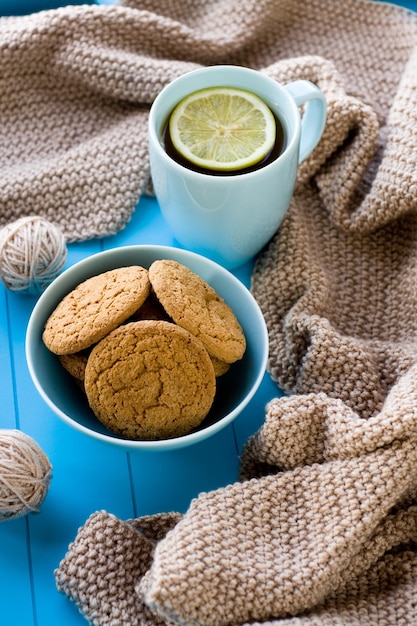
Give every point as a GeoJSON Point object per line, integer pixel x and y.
{"type": "Point", "coordinates": [222, 128]}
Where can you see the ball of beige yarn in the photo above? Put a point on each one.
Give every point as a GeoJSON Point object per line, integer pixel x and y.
{"type": "Point", "coordinates": [25, 473]}
{"type": "Point", "coordinates": [32, 253]}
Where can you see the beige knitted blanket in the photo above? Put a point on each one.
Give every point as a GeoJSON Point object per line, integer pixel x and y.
{"type": "Point", "coordinates": [322, 528]}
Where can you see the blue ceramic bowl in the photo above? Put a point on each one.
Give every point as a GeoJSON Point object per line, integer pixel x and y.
{"type": "Point", "coordinates": [235, 389]}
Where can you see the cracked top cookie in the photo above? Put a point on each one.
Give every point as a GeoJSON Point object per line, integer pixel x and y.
{"type": "Point", "coordinates": [194, 305]}
{"type": "Point", "coordinates": [150, 380]}
{"type": "Point", "coordinates": [94, 308]}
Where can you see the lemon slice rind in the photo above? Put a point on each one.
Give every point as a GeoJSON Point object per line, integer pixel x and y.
{"type": "Point", "coordinates": [222, 128]}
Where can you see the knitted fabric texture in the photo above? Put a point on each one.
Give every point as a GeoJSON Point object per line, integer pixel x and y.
{"type": "Point", "coordinates": [76, 85]}
{"type": "Point", "coordinates": [105, 563]}
{"type": "Point", "coordinates": [322, 528]}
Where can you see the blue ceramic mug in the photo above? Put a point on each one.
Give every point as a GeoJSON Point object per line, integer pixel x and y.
{"type": "Point", "coordinates": [230, 218]}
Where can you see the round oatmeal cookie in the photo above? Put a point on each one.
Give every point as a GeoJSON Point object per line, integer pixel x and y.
{"type": "Point", "coordinates": [150, 380]}
{"type": "Point", "coordinates": [220, 367]}
{"type": "Point", "coordinates": [75, 364]}
{"type": "Point", "coordinates": [94, 308]}
{"type": "Point", "coordinates": [151, 309]}
{"type": "Point", "coordinates": [196, 306]}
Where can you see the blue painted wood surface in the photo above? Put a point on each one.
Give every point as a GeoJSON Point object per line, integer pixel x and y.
{"type": "Point", "coordinates": [89, 475]}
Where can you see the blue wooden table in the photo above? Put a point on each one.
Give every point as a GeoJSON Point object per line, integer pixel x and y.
{"type": "Point", "coordinates": [89, 475]}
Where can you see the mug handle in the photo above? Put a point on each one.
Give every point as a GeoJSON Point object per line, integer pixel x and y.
{"type": "Point", "coordinates": [313, 119]}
